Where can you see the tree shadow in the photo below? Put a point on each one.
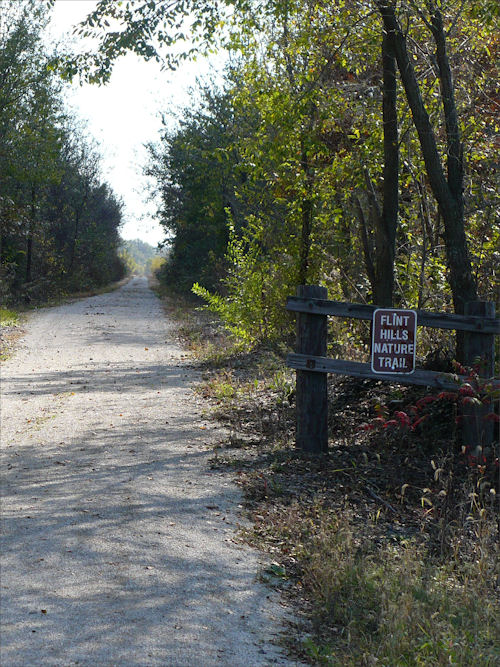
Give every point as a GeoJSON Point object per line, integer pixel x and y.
{"type": "Point", "coordinates": [116, 376]}
{"type": "Point", "coordinates": [105, 562]}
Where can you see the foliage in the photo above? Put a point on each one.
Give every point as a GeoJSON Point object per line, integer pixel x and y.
{"type": "Point", "coordinates": [470, 409]}
{"type": "Point", "coordinates": [296, 138]}
{"type": "Point", "coordinates": [255, 287]}
{"type": "Point", "coordinates": [145, 27]}
{"type": "Point", "coordinates": [138, 256]}
{"type": "Point", "coordinates": [59, 222]}
{"type": "Point", "coordinates": [194, 169]}
{"type": "Point", "coordinates": [156, 264]}
{"type": "Point", "coordinates": [8, 318]}
{"type": "Point", "coordinates": [394, 604]}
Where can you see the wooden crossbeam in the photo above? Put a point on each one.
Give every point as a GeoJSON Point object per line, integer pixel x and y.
{"type": "Point", "coordinates": [477, 324]}
{"type": "Point", "coordinates": [304, 362]}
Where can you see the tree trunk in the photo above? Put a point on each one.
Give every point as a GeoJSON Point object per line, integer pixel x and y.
{"type": "Point", "coordinates": [379, 261]}
{"type": "Point", "coordinates": [307, 205]}
{"type": "Point", "coordinates": [29, 243]}
{"type": "Point", "coordinates": [29, 257]}
{"type": "Point", "coordinates": [307, 217]}
{"type": "Point", "coordinates": [74, 239]}
{"type": "Point", "coordinates": [387, 223]}
{"type": "Point", "coordinates": [448, 192]}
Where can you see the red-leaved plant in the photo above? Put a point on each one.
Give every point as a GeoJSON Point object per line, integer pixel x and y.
{"type": "Point", "coordinates": [473, 396]}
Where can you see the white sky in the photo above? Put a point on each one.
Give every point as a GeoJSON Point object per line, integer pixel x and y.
{"type": "Point", "coordinates": [125, 114]}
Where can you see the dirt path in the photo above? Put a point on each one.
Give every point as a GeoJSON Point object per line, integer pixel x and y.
{"type": "Point", "coordinates": [118, 541]}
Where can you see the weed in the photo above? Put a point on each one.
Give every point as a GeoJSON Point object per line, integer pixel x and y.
{"type": "Point", "coordinates": [394, 605]}
{"type": "Point", "coordinates": [10, 332]}
{"type": "Point", "coordinates": [260, 487]}
{"type": "Point", "coordinates": [8, 318]}
{"type": "Point", "coordinates": [318, 653]}
{"type": "Point", "coordinates": [357, 537]}
{"type": "Point", "coordinates": [283, 386]}
{"type": "Point", "coordinates": [220, 387]}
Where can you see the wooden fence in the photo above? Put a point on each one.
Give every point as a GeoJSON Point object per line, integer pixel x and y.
{"type": "Point", "coordinates": [312, 365]}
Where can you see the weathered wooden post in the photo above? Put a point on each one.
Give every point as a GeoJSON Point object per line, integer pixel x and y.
{"type": "Point", "coordinates": [479, 347]}
{"type": "Point", "coordinates": [311, 393]}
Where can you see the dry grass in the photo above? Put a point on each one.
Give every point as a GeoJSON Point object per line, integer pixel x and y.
{"type": "Point", "coordinates": [387, 547]}
{"type": "Point", "coordinates": [373, 602]}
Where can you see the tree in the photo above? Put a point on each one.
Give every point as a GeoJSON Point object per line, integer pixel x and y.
{"type": "Point", "coordinates": [58, 221]}
{"type": "Point", "coordinates": [195, 171]}
{"type": "Point", "coordinates": [152, 29]}
{"type": "Point", "coordinates": [447, 188]}
{"type": "Point", "coordinates": [138, 255]}
{"type": "Point", "coordinates": [402, 231]}
{"type": "Point", "coordinates": [29, 113]}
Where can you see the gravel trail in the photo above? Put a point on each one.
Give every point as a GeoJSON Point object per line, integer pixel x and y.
{"type": "Point", "coordinates": [118, 542]}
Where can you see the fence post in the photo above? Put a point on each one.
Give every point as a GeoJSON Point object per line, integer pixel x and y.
{"type": "Point", "coordinates": [478, 431]}
{"type": "Point", "coordinates": [311, 392]}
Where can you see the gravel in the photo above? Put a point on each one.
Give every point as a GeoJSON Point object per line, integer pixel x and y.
{"type": "Point", "coordinates": [119, 544]}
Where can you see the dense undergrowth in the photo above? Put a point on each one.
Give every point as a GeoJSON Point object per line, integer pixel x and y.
{"type": "Point", "coordinates": [387, 546]}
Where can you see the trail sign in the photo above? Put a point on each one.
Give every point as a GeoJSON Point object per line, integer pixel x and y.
{"type": "Point", "coordinates": [394, 338]}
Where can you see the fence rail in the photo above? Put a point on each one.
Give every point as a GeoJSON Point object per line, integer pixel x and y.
{"type": "Point", "coordinates": [303, 362]}
{"type": "Point", "coordinates": [312, 365]}
{"type": "Point", "coordinates": [357, 311]}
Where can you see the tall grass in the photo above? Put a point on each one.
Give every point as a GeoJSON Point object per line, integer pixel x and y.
{"type": "Point", "coordinates": [417, 587]}
{"type": "Point", "coordinates": [394, 604]}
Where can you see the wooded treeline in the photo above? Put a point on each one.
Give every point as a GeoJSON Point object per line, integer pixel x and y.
{"type": "Point", "coordinates": [352, 144]}
{"type": "Point", "coordinates": [58, 220]}
{"type": "Point", "coordinates": [139, 257]}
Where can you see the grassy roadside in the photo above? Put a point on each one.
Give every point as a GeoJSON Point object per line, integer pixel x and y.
{"type": "Point", "coordinates": [9, 318]}
{"type": "Point", "coordinates": [91, 292]}
{"type": "Point", "coordinates": [387, 547]}
{"type": "Point", "coordinates": [10, 331]}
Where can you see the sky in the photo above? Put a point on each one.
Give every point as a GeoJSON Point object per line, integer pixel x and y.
{"type": "Point", "coordinates": [125, 114]}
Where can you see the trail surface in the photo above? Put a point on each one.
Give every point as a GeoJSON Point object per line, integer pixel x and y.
{"type": "Point", "coordinates": [119, 543]}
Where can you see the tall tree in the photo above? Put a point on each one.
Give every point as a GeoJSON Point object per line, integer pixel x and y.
{"type": "Point", "coordinates": [57, 220]}
{"type": "Point", "coordinates": [146, 27]}
{"type": "Point", "coordinates": [194, 168]}
{"type": "Point", "coordinates": [446, 182]}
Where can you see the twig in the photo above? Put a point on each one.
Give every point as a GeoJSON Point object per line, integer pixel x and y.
{"type": "Point", "coordinates": [377, 497]}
